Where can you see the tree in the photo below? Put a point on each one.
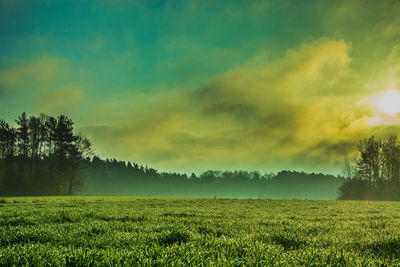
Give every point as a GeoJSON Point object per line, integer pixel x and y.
{"type": "Point", "coordinates": [391, 163]}
{"type": "Point", "coordinates": [377, 173]}
{"type": "Point", "coordinates": [22, 134]}
{"type": "Point", "coordinates": [348, 171]}
{"type": "Point", "coordinates": [63, 139]}
{"type": "Point", "coordinates": [78, 150]}
{"type": "Point", "coordinates": [369, 160]}
{"type": "Point", "coordinates": [8, 137]}
{"type": "Point", "coordinates": [34, 128]}
{"type": "Point", "coordinates": [42, 156]}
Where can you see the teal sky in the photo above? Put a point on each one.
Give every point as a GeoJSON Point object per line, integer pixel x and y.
{"type": "Point", "coordinates": [196, 85]}
{"type": "Point", "coordinates": [118, 46]}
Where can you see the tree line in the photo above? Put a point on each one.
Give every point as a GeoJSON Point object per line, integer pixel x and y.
{"type": "Point", "coordinates": [113, 177]}
{"type": "Point", "coordinates": [41, 156]}
{"type": "Point", "coordinates": [375, 171]}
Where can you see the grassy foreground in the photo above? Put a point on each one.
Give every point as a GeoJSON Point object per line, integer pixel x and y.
{"type": "Point", "coordinates": [165, 231]}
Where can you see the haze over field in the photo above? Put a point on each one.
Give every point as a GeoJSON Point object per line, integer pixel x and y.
{"type": "Point", "coordinates": [195, 85]}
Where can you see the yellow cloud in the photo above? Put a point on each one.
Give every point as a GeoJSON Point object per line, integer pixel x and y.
{"type": "Point", "coordinates": [57, 101]}
{"type": "Point", "coordinates": [35, 73]}
{"type": "Point", "coordinates": [294, 112]}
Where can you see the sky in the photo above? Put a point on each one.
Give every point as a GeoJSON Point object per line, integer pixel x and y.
{"type": "Point", "coordinates": [196, 85]}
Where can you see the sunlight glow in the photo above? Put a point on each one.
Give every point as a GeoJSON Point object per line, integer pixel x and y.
{"type": "Point", "coordinates": [389, 102]}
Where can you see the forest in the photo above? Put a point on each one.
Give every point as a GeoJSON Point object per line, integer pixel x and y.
{"type": "Point", "coordinates": [375, 171]}
{"type": "Point", "coordinates": [113, 177]}
{"type": "Point", "coordinates": [44, 156]}
{"type": "Point", "coordinates": [41, 156]}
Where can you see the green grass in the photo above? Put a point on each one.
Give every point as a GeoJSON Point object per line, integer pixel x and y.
{"type": "Point", "coordinates": [170, 231]}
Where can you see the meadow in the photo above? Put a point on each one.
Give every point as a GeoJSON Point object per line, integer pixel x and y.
{"type": "Point", "coordinates": [181, 231]}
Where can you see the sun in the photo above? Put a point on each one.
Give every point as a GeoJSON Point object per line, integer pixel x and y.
{"type": "Point", "coordinates": [389, 102]}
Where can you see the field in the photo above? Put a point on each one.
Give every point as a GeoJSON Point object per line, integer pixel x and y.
{"type": "Point", "coordinates": [167, 231]}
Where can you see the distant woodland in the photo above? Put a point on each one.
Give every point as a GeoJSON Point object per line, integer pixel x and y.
{"type": "Point", "coordinates": [44, 156]}
{"type": "Point", "coordinates": [112, 177]}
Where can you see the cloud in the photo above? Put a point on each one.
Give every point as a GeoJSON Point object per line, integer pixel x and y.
{"type": "Point", "coordinates": [267, 114]}
{"type": "Point", "coordinates": [223, 94]}
{"type": "Point", "coordinates": [32, 74]}
{"type": "Point", "coordinates": [57, 101]}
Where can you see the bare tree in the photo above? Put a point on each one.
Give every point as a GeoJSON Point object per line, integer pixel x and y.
{"type": "Point", "coordinates": [369, 160]}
